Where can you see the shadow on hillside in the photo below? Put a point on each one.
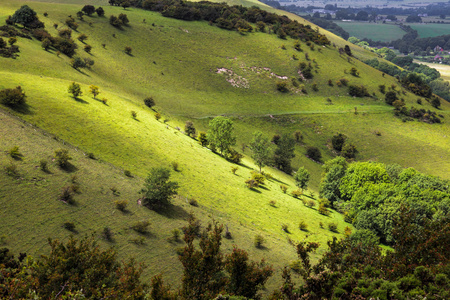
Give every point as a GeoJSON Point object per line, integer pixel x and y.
{"type": "Point", "coordinates": [23, 109]}
{"type": "Point", "coordinates": [69, 168]}
{"type": "Point", "coordinates": [264, 187]}
{"type": "Point", "coordinates": [80, 100]}
{"type": "Point", "coordinates": [173, 212]}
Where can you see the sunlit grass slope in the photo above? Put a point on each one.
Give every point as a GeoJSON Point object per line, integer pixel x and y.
{"type": "Point", "coordinates": [176, 62]}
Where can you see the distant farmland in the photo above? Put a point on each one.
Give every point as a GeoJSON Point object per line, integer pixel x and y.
{"type": "Point", "coordinates": [373, 31]}
{"type": "Point", "coordinates": [430, 30]}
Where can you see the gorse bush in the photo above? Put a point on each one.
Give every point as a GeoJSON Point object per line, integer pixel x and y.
{"type": "Point", "coordinates": [62, 157]}
{"type": "Point", "coordinates": [141, 226]}
{"type": "Point", "coordinates": [12, 97]}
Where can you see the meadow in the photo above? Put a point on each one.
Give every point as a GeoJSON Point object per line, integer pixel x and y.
{"type": "Point", "coordinates": [431, 30]}
{"type": "Point", "coordinates": [374, 31]}
{"type": "Point", "coordinates": [176, 63]}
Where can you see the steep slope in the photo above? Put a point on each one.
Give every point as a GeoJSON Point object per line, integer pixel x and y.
{"type": "Point", "coordinates": [177, 63]}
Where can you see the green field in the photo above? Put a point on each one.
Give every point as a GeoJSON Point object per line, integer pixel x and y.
{"type": "Point", "coordinates": [431, 30]}
{"type": "Point", "coordinates": [374, 31]}
{"type": "Point", "coordinates": [176, 62]}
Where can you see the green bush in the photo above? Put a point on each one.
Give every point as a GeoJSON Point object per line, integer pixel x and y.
{"type": "Point", "coordinates": [141, 227]}
{"type": "Point", "coordinates": [193, 202]}
{"type": "Point", "coordinates": [43, 165]}
{"type": "Point", "coordinates": [14, 152]}
{"type": "Point", "coordinates": [12, 97]}
{"type": "Point", "coordinates": [251, 183]}
{"type": "Point", "coordinates": [283, 188]}
{"type": "Point", "coordinates": [332, 227]}
{"type": "Point", "coordinates": [149, 101]}
{"type": "Point", "coordinates": [282, 86]}
{"type": "Point", "coordinates": [62, 157]}
{"type": "Point", "coordinates": [273, 203]}
{"type": "Point", "coordinates": [175, 166]}
{"type": "Point", "coordinates": [258, 177]}
{"type": "Point", "coordinates": [107, 234]}
{"type": "Point", "coordinates": [313, 153]}
{"type": "Point", "coordinates": [66, 195]}
{"type": "Point", "coordinates": [234, 169]}
{"type": "Point", "coordinates": [285, 227]}
{"type": "Point", "coordinates": [121, 205]}
{"type": "Point", "coordinates": [11, 170]}
{"type": "Point", "coordinates": [127, 173]}
{"type": "Point", "coordinates": [310, 203]}
{"type": "Point", "coordinates": [69, 226]}
{"type": "Point", "coordinates": [323, 210]}
{"type": "Point", "coordinates": [176, 233]}
{"type": "Point", "coordinates": [259, 241]}
{"type": "Point", "coordinates": [297, 193]}
{"type": "Point", "coordinates": [303, 226]}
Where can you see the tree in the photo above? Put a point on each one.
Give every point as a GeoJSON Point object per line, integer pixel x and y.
{"type": "Point", "coordinates": [149, 101]}
{"type": "Point", "coordinates": [333, 171]}
{"type": "Point", "coordinates": [26, 17]}
{"type": "Point", "coordinates": [88, 9]}
{"type": "Point", "coordinates": [124, 19]}
{"type": "Point", "coordinates": [338, 141]}
{"type": "Point", "coordinates": [313, 153]}
{"type": "Point", "coordinates": [82, 266]}
{"type": "Point", "coordinates": [284, 153]}
{"type": "Point", "coordinates": [75, 89]}
{"type": "Point", "coordinates": [158, 189]}
{"type": "Point", "coordinates": [77, 63]}
{"type": "Point", "coordinates": [93, 89]}
{"type": "Point", "coordinates": [201, 268]}
{"type": "Point", "coordinates": [100, 11]}
{"type": "Point", "coordinates": [347, 50]}
{"type": "Point", "coordinates": [245, 277]}
{"type": "Point", "coordinates": [220, 134]}
{"type": "Point", "coordinates": [390, 97]}
{"type": "Point", "coordinates": [12, 97]}
{"type": "Point", "coordinates": [46, 43]}
{"type": "Point", "coordinates": [259, 146]}
{"type": "Point", "coordinates": [202, 139]}
{"type": "Point", "coordinates": [62, 157]}
{"type": "Point", "coordinates": [302, 178]}
{"type": "Point", "coordinates": [189, 128]}
{"type": "Point", "coordinates": [82, 37]}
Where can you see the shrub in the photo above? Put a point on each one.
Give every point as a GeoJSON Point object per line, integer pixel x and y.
{"type": "Point", "coordinates": [69, 226]}
{"type": "Point", "coordinates": [282, 86]}
{"type": "Point", "coordinates": [323, 210]}
{"type": "Point", "coordinates": [87, 48]}
{"type": "Point", "coordinates": [114, 190]}
{"type": "Point", "coordinates": [107, 234]}
{"type": "Point", "coordinates": [77, 63]}
{"type": "Point", "coordinates": [296, 266]}
{"type": "Point", "coordinates": [310, 203]}
{"type": "Point", "coordinates": [11, 170]}
{"type": "Point", "coordinates": [149, 101]}
{"type": "Point", "coordinates": [127, 173]}
{"type": "Point", "coordinates": [141, 227]}
{"type": "Point", "coordinates": [43, 165]}
{"type": "Point", "coordinates": [390, 97]}
{"type": "Point", "coordinates": [354, 72]}
{"type": "Point", "coordinates": [82, 37]}
{"type": "Point", "coordinates": [66, 195]}
{"type": "Point", "coordinates": [273, 203]}
{"type": "Point", "coordinates": [298, 136]}
{"type": "Point", "coordinates": [258, 177]}
{"type": "Point", "coordinates": [115, 21]}
{"type": "Point", "coordinates": [104, 101]}
{"type": "Point", "coordinates": [297, 194]}
{"type": "Point", "coordinates": [14, 152]}
{"type": "Point", "coordinates": [12, 97]}
{"type": "Point", "coordinates": [157, 116]}
{"type": "Point", "coordinates": [382, 88]}
{"type": "Point", "coordinates": [128, 50]}
{"type": "Point", "coordinates": [123, 18]}
{"type": "Point", "coordinates": [338, 141]}
{"type": "Point", "coordinates": [138, 240]}
{"type": "Point", "coordinates": [62, 157]}
{"type": "Point", "coordinates": [251, 183]}
{"type": "Point", "coordinates": [315, 87]}
{"type": "Point", "coordinates": [193, 202]}
{"type": "Point", "coordinates": [313, 153]}
{"type": "Point", "coordinates": [285, 227]}
{"type": "Point", "coordinates": [332, 227]}
{"type": "Point", "coordinates": [349, 151]}
{"type": "Point", "coordinates": [330, 82]}
{"type": "Point", "coordinates": [202, 139]}
{"type": "Point", "coordinates": [347, 231]}
{"type": "Point", "coordinates": [303, 226]}
{"type": "Point", "coordinates": [234, 169]}
{"type": "Point", "coordinates": [121, 205]}
{"type": "Point", "coordinates": [358, 91]}
{"type": "Point", "coordinates": [75, 188]}
{"type": "Point", "coordinates": [75, 89]}
{"type": "Point", "coordinates": [259, 241]}
{"type": "Point", "coordinates": [283, 188]}
{"type": "Point", "coordinates": [189, 128]}
{"type": "Point", "coordinates": [176, 233]}
{"type": "Point", "coordinates": [267, 176]}
{"type": "Point", "coordinates": [175, 166]}
{"type": "Point", "coordinates": [100, 11]}
{"type": "Point", "coordinates": [320, 224]}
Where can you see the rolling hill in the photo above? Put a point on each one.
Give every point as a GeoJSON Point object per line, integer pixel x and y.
{"type": "Point", "coordinates": [195, 72]}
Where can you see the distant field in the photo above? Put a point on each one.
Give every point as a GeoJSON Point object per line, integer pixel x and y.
{"type": "Point", "coordinates": [376, 32]}
{"type": "Point", "coordinates": [359, 3]}
{"type": "Point", "coordinates": [430, 30]}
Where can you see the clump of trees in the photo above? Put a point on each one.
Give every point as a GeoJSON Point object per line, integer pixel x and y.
{"type": "Point", "coordinates": [26, 17]}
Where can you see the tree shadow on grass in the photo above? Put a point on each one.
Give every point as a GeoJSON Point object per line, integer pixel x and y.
{"type": "Point", "coordinates": [80, 100]}
{"type": "Point", "coordinates": [69, 168]}
{"type": "Point", "coordinates": [173, 212]}
{"type": "Point", "coordinates": [23, 109]}
{"type": "Point", "coordinates": [264, 187]}
{"type": "Point", "coordinates": [255, 190]}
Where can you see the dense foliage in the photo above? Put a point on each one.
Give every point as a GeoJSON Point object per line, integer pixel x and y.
{"type": "Point", "coordinates": [355, 268]}
{"type": "Point", "coordinates": [233, 17]}
{"type": "Point", "coordinates": [372, 194]}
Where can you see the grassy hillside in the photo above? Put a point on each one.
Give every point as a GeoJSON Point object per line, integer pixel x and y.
{"type": "Point", "coordinates": [176, 62]}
